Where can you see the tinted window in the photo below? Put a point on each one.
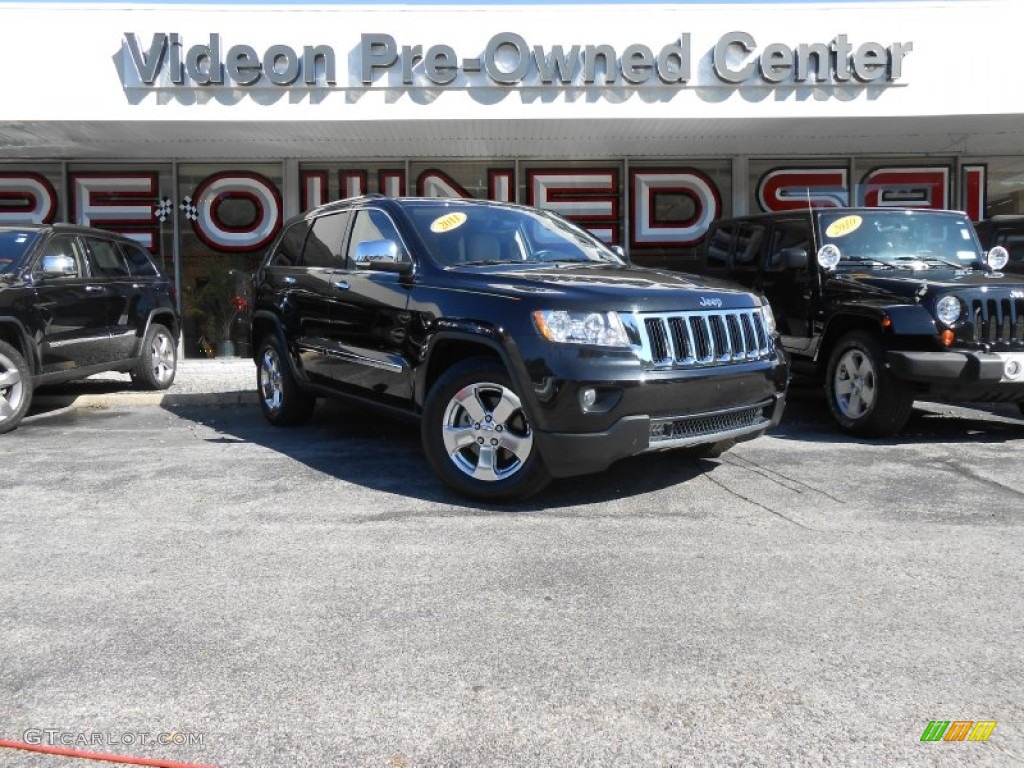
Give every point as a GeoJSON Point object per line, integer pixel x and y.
{"type": "Point", "coordinates": [14, 244]}
{"type": "Point", "coordinates": [788, 234]}
{"type": "Point", "coordinates": [289, 248]}
{"type": "Point", "coordinates": [718, 246]}
{"type": "Point", "coordinates": [66, 246]}
{"type": "Point", "coordinates": [325, 241]}
{"type": "Point", "coordinates": [370, 225]}
{"type": "Point", "coordinates": [105, 259]}
{"type": "Point", "coordinates": [748, 245]}
{"type": "Point", "coordinates": [138, 260]}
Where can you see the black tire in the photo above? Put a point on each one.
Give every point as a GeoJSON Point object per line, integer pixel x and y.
{"type": "Point", "coordinates": [282, 400]}
{"type": "Point", "coordinates": [158, 362]}
{"type": "Point", "coordinates": [1020, 407]}
{"type": "Point", "coordinates": [864, 398]}
{"type": "Point", "coordinates": [15, 387]}
{"type": "Point", "coordinates": [477, 435]}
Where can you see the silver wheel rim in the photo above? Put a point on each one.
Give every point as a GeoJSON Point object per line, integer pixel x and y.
{"type": "Point", "coordinates": [163, 358]}
{"type": "Point", "coordinates": [855, 384]}
{"type": "Point", "coordinates": [271, 389]}
{"type": "Point", "coordinates": [486, 433]}
{"type": "Point", "coordinates": [12, 389]}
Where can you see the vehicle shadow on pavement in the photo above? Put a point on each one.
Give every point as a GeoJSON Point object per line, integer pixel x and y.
{"type": "Point", "coordinates": [366, 449]}
{"type": "Point", "coordinates": [807, 417]}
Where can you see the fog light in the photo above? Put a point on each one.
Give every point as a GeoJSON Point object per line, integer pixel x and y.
{"type": "Point", "coordinates": [1012, 369]}
{"type": "Point", "coordinates": [588, 396]}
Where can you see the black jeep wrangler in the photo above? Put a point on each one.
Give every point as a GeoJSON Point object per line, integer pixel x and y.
{"type": "Point", "coordinates": [525, 347]}
{"type": "Point", "coordinates": [884, 305]}
{"type": "Point", "coordinates": [75, 301]}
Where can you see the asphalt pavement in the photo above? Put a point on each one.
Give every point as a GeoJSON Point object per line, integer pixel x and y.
{"type": "Point", "coordinates": [314, 596]}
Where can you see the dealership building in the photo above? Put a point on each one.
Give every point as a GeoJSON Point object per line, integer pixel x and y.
{"type": "Point", "coordinates": [199, 129]}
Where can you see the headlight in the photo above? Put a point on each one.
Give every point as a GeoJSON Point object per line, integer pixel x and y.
{"type": "Point", "coordinates": [947, 310]}
{"type": "Point", "coordinates": [769, 316]}
{"type": "Point", "coordinates": [602, 328]}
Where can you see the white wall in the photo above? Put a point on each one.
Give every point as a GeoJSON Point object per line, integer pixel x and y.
{"type": "Point", "coordinates": [62, 62]}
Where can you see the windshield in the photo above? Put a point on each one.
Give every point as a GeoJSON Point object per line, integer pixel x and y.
{"type": "Point", "coordinates": [458, 234]}
{"type": "Point", "coordinates": [900, 237]}
{"type": "Point", "coordinates": [14, 244]}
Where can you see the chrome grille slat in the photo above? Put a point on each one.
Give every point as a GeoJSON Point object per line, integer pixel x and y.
{"type": "Point", "coordinates": [998, 321]}
{"type": "Point", "coordinates": [702, 338]}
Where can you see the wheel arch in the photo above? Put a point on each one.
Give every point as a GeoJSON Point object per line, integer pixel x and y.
{"type": "Point", "coordinates": [839, 326]}
{"type": "Point", "coordinates": [449, 348]}
{"type": "Point", "coordinates": [13, 332]}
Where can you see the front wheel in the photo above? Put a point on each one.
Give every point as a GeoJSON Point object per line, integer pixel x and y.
{"type": "Point", "coordinates": [158, 362]}
{"type": "Point", "coordinates": [281, 399]}
{"type": "Point", "coordinates": [477, 435]}
{"type": "Point", "coordinates": [862, 394]}
{"type": "Point", "coordinates": [15, 387]}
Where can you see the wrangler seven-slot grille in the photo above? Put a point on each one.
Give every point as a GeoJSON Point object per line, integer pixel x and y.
{"type": "Point", "coordinates": [718, 337]}
{"type": "Point", "coordinates": [998, 321]}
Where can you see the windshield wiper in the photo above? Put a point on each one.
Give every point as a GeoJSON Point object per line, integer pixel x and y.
{"type": "Point", "coordinates": [932, 260]}
{"type": "Point", "coordinates": [865, 260]}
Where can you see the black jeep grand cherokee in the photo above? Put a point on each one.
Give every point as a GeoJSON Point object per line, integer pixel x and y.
{"type": "Point", "coordinates": [75, 301]}
{"type": "Point", "coordinates": [526, 347]}
{"type": "Point", "coordinates": [885, 305]}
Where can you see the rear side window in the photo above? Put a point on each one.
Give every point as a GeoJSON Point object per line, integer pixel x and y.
{"type": "Point", "coordinates": [105, 259]}
{"type": "Point", "coordinates": [326, 240]}
{"type": "Point", "coordinates": [719, 244]}
{"type": "Point", "coordinates": [138, 261]}
{"type": "Point", "coordinates": [288, 251]}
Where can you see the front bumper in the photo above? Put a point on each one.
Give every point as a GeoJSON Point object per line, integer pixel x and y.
{"type": "Point", "coordinates": [568, 454]}
{"type": "Point", "coordinates": [966, 376]}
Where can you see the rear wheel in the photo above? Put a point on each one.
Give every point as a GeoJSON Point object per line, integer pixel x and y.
{"type": "Point", "coordinates": [477, 435]}
{"type": "Point", "coordinates": [862, 395]}
{"type": "Point", "coordinates": [15, 387]}
{"type": "Point", "coordinates": [281, 399]}
{"type": "Point", "coordinates": [159, 361]}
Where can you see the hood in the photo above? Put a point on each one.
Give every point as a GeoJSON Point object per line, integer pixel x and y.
{"type": "Point", "coordinates": [610, 285]}
{"type": "Point", "coordinates": [907, 284]}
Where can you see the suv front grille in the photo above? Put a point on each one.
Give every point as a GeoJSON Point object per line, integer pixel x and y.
{"type": "Point", "coordinates": [691, 339]}
{"type": "Point", "coordinates": [998, 321]}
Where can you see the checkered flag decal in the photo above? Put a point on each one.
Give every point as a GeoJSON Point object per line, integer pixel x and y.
{"type": "Point", "coordinates": [189, 209]}
{"type": "Point", "coordinates": [164, 209]}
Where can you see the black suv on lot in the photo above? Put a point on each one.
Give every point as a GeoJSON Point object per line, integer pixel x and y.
{"type": "Point", "coordinates": [526, 348]}
{"type": "Point", "coordinates": [75, 301]}
{"type": "Point", "coordinates": [885, 305]}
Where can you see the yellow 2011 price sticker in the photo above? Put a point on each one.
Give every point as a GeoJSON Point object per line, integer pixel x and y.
{"type": "Point", "coordinates": [448, 222]}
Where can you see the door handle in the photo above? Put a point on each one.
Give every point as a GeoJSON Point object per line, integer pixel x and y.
{"type": "Point", "coordinates": [94, 288]}
{"type": "Point", "coordinates": [289, 280]}
{"type": "Point", "coordinates": [341, 285]}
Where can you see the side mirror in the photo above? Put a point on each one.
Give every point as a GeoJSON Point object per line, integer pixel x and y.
{"type": "Point", "coordinates": [382, 256]}
{"type": "Point", "coordinates": [828, 256]}
{"type": "Point", "coordinates": [59, 265]}
{"type": "Point", "coordinates": [619, 251]}
{"type": "Point", "coordinates": [793, 258]}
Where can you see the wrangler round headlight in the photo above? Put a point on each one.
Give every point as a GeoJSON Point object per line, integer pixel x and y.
{"type": "Point", "coordinates": [948, 310]}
